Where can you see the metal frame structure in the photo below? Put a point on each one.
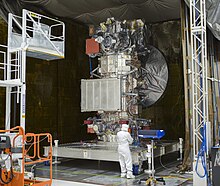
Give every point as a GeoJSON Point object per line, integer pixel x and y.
{"type": "Point", "coordinates": [199, 72]}
{"type": "Point", "coordinates": [199, 92]}
{"type": "Point", "coordinates": [35, 36]}
{"type": "Point", "coordinates": [107, 151]}
{"type": "Point", "coordinates": [28, 142]}
{"type": "Point", "coordinates": [32, 35]}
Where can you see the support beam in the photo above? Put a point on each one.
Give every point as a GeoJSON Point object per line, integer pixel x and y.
{"type": "Point", "coordinates": [199, 93]}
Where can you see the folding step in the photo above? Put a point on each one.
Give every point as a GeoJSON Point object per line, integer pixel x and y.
{"type": "Point", "coordinates": [10, 83]}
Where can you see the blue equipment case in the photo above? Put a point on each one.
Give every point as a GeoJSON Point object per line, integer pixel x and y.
{"type": "Point", "coordinates": [151, 134]}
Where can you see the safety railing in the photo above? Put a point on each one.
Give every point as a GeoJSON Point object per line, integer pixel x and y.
{"type": "Point", "coordinates": [17, 156]}
{"type": "Point", "coordinates": [44, 32]}
{"type": "Point", "coordinates": [34, 145]}
{"type": "Point", "coordinates": [14, 32]}
{"type": "Point", "coordinates": [10, 67]}
{"type": "Point", "coordinates": [3, 62]}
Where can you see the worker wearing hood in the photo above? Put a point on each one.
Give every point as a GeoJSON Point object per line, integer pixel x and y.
{"type": "Point", "coordinates": [124, 139]}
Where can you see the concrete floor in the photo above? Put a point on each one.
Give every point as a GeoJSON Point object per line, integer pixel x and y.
{"type": "Point", "coordinates": [73, 172]}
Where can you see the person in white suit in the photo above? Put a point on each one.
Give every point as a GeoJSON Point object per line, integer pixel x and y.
{"type": "Point", "coordinates": [124, 139]}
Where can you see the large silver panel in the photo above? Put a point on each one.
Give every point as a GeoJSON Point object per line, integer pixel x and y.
{"type": "Point", "coordinates": [100, 95]}
{"type": "Point", "coordinates": [115, 63]}
{"type": "Point", "coordinates": [39, 47]}
{"type": "Point", "coordinates": [109, 153]}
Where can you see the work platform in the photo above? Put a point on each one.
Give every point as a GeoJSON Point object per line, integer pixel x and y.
{"type": "Point", "coordinates": [107, 151]}
{"type": "Point", "coordinates": [31, 35]}
{"type": "Point", "coordinates": [42, 37]}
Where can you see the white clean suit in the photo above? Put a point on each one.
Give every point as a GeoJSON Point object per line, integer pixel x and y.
{"type": "Point", "coordinates": [124, 139]}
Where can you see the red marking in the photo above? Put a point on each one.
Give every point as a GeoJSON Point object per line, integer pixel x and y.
{"type": "Point", "coordinates": [92, 47]}
{"type": "Point", "coordinates": [123, 122]}
{"type": "Point", "coordinates": [88, 122]}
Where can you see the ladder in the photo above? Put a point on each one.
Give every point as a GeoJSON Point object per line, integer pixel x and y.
{"type": "Point", "coordinates": [32, 35]}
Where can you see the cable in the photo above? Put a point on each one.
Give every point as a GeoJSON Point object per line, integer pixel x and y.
{"type": "Point", "coordinates": [180, 177]}
{"type": "Point", "coordinates": [31, 144]}
{"type": "Point", "coordinates": [5, 158]}
{"type": "Point", "coordinates": [28, 141]}
{"type": "Point", "coordinates": [11, 173]}
{"type": "Point", "coordinates": [163, 164]}
{"type": "Point", "coordinates": [202, 156]}
{"type": "Point", "coordinates": [37, 142]}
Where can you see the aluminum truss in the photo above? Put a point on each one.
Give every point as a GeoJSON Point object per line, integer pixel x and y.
{"type": "Point", "coordinates": [31, 35]}
{"type": "Point", "coordinates": [199, 93]}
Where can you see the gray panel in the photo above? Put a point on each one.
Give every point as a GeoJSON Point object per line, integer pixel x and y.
{"type": "Point", "coordinates": [106, 153]}
{"type": "Point", "coordinates": [100, 94]}
{"type": "Point", "coordinates": [39, 48]}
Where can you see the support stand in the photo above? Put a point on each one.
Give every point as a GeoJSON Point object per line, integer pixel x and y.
{"type": "Point", "coordinates": [55, 152]}
{"type": "Point", "coordinates": [152, 180]}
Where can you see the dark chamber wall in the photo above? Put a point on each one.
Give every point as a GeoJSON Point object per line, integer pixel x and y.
{"type": "Point", "coordinates": [168, 112]}
{"type": "Point", "coordinates": [3, 40]}
{"type": "Point", "coordinates": [53, 87]}
{"type": "Point", "coordinates": [53, 90]}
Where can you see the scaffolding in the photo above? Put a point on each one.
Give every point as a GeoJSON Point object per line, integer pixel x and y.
{"type": "Point", "coordinates": [32, 35]}
{"type": "Point", "coordinates": [199, 92]}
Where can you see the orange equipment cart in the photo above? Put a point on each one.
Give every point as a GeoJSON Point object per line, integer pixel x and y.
{"type": "Point", "coordinates": [19, 150]}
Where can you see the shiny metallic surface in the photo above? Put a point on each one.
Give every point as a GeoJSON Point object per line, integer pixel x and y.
{"type": "Point", "coordinates": [100, 94]}
{"type": "Point", "coordinates": [154, 76]}
{"type": "Point", "coordinates": [108, 151]}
